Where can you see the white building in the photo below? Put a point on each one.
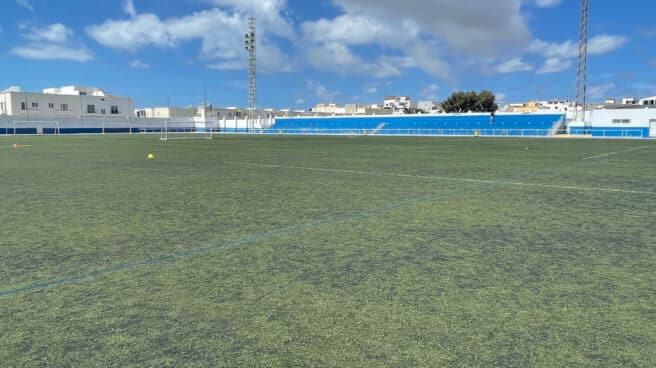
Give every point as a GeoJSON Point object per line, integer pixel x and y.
{"type": "Point", "coordinates": [556, 105]}
{"type": "Point", "coordinates": [649, 101]}
{"type": "Point", "coordinates": [396, 103]}
{"type": "Point", "coordinates": [429, 107]}
{"type": "Point", "coordinates": [330, 108]}
{"type": "Point", "coordinates": [64, 103]}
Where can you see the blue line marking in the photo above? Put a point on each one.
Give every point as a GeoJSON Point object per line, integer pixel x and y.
{"type": "Point", "coordinates": [129, 266]}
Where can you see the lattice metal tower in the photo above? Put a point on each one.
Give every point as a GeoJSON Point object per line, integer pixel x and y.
{"type": "Point", "coordinates": [582, 70]}
{"type": "Point", "coordinates": [250, 41]}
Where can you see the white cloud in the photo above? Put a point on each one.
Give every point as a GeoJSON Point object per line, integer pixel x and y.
{"type": "Point", "coordinates": [421, 31]}
{"type": "Point", "coordinates": [269, 14]}
{"type": "Point", "coordinates": [597, 45]}
{"type": "Point", "coordinates": [220, 32]}
{"type": "Point", "coordinates": [53, 42]}
{"type": "Point", "coordinates": [547, 3]}
{"type": "Point", "coordinates": [138, 64]}
{"type": "Point", "coordinates": [25, 4]}
{"type": "Point", "coordinates": [513, 66]}
{"type": "Point", "coordinates": [470, 25]}
{"type": "Point", "coordinates": [299, 101]}
{"type": "Point", "coordinates": [52, 52]}
{"type": "Point", "coordinates": [559, 56]}
{"type": "Point", "coordinates": [554, 65]}
{"type": "Point", "coordinates": [57, 32]}
{"type": "Point", "coordinates": [600, 91]}
{"type": "Point", "coordinates": [320, 91]}
{"type": "Point", "coordinates": [567, 49]}
{"type": "Point", "coordinates": [129, 9]}
{"type": "Point", "coordinates": [227, 65]}
{"type": "Point", "coordinates": [430, 92]}
{"type": "Point", "coordinates": [350, 29]}
{"type": "Point", "coordinates": [603, 43]}
{"type": "Point", "coordinates": [371, 90]}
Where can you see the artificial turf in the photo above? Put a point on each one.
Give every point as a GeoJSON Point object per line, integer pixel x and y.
{"type": "Point", "coordinates": [278, 251]}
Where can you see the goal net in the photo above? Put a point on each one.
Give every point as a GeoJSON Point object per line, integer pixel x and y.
{"type": "Point", "coordinates": [186, 130]}
{"type": "Point", "coordinates": [117, 126]}
{"type": "Point", "coordinates": [33, 127]}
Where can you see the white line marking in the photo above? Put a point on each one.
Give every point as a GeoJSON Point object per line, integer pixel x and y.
{"type": "Point", "coordinates": [615, 153]}
{"type": "Point", "coordinates": [465, 180]}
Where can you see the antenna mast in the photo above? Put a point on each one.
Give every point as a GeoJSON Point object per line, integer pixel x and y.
{"type": "Point", "coordinates": [582, 70]}
{"type": "Point", "coordinates": [252, 72]}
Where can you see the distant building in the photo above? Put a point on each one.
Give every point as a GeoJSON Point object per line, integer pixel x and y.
{"type": "Point", "coordinates": [355, 109]}
{"type": "Point", "coordinates": [396, 103]}
{"type": "Point", "coordinates": [531, 106]}
{"type": "Point", "coordinates": [330, 108]}
{"type": "Point", "coordinates": [556, 105]}
{"type": "Point", "coordinates": [65, 102]}
{"type": "Point", "coordinates": [649, 101]}
{"type": "Point", "coordinates": [429, 107]}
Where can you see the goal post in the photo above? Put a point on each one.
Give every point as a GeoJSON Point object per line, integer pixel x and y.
{"type": "Point", "coordinates": [172, 130]}
{"type": "Point", "coordinates": [34, 127]}
{"type": "Point", "coordinates": [116, 126]}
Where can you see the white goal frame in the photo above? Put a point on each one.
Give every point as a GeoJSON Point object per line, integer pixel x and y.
{"type": "Point", "coordinates": [116, 124]}
{"type": "Point", "coordinates": [36, 124]}
{"type": "Point", "coordinates": [175, 130]}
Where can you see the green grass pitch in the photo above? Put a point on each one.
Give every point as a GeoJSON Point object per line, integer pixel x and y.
{"type": "Point", "coordinates": [277, 251]}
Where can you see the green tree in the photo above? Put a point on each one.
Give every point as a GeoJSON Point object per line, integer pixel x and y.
{"type": "Point", "coordinates": [486, 102]}
{"type": "Point", "coordinates": [460, 102]}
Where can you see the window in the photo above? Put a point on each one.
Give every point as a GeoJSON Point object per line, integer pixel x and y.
{"type": "Point", "coordinates": [91, 109]}
{"type": "Point", "coordinates": [23, 106]}
{"type": "Point", "coordinates": [621, 121]}
{"type": "Point", "coordinates": [64, 107]}
{"type": "Point", "coordinates": [83, 93]}
{"type": "Point", "coordinates": [35, 105]}
{"type": "Point", "coordinates": [102, 111]}
{"type": "Point", "coordinates": [51, 105]}
{"type": "Point", "coordinates": [115, 110]}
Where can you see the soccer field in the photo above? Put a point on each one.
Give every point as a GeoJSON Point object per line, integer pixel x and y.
{"type": "Point", "coordinates": [278, 251]}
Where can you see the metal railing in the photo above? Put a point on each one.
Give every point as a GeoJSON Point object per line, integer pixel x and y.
{"type": "Point", "coordinates": [608, 133]}
{"type": "Point", "coordinates": [417, 132]}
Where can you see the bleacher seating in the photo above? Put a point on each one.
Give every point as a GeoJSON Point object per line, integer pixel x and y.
{"type": "Point", "coordinates": [447, 124]}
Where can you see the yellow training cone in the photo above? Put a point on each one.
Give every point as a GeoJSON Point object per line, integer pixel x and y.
{"type": "Point", "coordinates": [151, 156]}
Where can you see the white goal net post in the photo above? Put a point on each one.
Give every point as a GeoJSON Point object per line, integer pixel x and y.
{"type": "Point", "coordinates": [116, 126]}
{"type": "Point", "coordinates": [172, 130]}
{"type": "Point", "coordinates": [34, 127]}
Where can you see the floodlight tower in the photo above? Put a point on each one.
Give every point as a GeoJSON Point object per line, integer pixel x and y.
{"type": "Point", "coordinates": [582, 70]}
{"type": "Point", "coordinates": [250, 41]}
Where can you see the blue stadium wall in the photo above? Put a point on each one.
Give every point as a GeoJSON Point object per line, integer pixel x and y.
{"type": "Point", "coordinates": [610, 131]}
{"type": "Point", "coordinates": [447, 124]}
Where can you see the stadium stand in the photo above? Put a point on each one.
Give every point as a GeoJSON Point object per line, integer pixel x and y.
{"type": "Point", "coordinates": [466, 124]}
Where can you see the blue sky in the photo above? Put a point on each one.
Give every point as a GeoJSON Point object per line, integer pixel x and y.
{"type": "Point", "coordinates": [345, 51]}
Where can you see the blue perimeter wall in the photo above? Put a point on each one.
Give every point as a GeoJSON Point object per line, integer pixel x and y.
{"type": "Point", "coordinates": [611, 132]}
{"type": "Point", "coordinates": [418, 124]}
